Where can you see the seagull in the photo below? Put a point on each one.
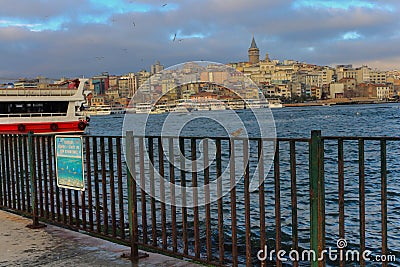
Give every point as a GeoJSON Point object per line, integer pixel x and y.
{"type": "Point", "coordinates": [173, 40]}
{"type": "Point", "coordinates": [164, 5]}
{"type": "Point", "coordinates": [99, 58]}
{"type": "Point", "coordinates": [133, 22]}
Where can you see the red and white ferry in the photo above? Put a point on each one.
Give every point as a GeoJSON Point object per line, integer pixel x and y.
{"type": "Point", "coordinates": [54, 109]}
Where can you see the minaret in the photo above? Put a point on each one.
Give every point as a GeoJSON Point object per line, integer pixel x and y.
{"type": "Point", "coordinates": [254, 53]}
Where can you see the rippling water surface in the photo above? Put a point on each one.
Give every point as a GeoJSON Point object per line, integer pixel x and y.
{"type": "Point", "coordinates": [354, 120]}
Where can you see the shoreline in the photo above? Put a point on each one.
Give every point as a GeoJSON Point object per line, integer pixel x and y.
{"type": "Point", "coordinates": [340, 101]}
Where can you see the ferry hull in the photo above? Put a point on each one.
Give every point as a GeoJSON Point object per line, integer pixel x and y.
{"type": "Point", "coordinates": [44, 127]}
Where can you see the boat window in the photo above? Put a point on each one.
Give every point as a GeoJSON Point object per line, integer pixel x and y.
{"type": "Point", "coordinates": [33, 107]}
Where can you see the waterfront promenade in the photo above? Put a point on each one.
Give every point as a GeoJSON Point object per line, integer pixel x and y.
{"type": "Point", "coordinates": [55, 246]}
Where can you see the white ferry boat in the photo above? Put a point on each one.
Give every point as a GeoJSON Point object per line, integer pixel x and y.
{"type": "Point", "coordinates": [44, 111]}
{"type": "Point", "coordinates": [256, 103]}
{"type": "Point", "coordinates": [183, 106]}
{"type": "Point", "coordinates": [143, 108]}
{"type": "Point", "coordinates": [272, 103]}
{"type": "Point", "coordinates": [118, 109]}
{"type": "Point", "coordinates": [217, 105]}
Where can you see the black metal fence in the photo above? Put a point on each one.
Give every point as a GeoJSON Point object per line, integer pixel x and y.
{"type": "Point", "coordinates": [287, 194]}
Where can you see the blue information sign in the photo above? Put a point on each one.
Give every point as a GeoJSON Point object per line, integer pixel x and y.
{"type": "Point", "coordinates": [69, 162]}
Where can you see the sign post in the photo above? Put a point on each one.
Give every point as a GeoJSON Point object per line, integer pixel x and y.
{"type": "Point", "coordinates": [69, 162]}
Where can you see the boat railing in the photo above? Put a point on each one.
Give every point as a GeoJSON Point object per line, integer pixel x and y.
{"type": "Point", "coordinates": [38, 92]}
{"type": "Point", "coordinates": [30, 115]}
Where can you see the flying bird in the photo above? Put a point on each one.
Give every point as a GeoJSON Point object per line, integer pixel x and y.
{"type": "Point", "coordinates": [99, 58]}
{"type": "Point", "coordinates": [164, 5]}
{"type": "Point", "coordinates": [173, 40]}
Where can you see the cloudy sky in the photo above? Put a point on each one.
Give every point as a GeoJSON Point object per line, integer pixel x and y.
{"type": "Point", "coordinates": [86, 37]}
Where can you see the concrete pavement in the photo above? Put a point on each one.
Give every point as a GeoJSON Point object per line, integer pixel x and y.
{"type": "Point", "coordinates": [55, 246]}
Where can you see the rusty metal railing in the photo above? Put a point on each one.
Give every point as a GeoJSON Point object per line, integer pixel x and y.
{"type": "Point", "coordinates": [310, 193]}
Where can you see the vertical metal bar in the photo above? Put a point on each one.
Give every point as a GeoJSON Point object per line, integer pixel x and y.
{"type": "Point", "coordinates": [16, 171]}
{"type": "Point", "coordinates": [96, 185]}
{"type": "Point", "coordinates": [220, 203]}
{"type": "Point", "coordinates": [8, 182]}
{"type": "Point", "coordinates": [384, 198]}
{"type": "Point", "coordinates": [183, 192]}
{"type": "Point", "coordinates": [341, 194]}
{"type": "Point", "coordinates": [278, 234]}
{"type": "Point", "coordinates": [173, 194]}
{"type": "Point", "coordinates": [293, 191]}
{"type": "Point", "coordinates": [33, 180]}
{"type": "Point", "coordinates": [83, 201]}
{"type": "Point", "coordinates": [132, 197]}
{"type": "Point", "coordinates": [58, 204]}
{"type": "Point", "coordinates": [104, 185]}
{"type": "Point", "coordinates": [64, 205]}
{"type": "Point", "coordinates": [2, 184]}
{"type": "Point", "coordinates": [27, 176]}
{"type": "Point", "coordinates": [12, 171]}
{"type": "Point", "coordinates": [321, 202]}
{"type": "Point", "coordinates": [162, 193]}
{"type": "Point", "coordinates": [112, 189]}
{"type": "Point", "coordinates": [152, 193]}
{"type": "Point", "coordinates": [120, 189]}
{"type": "Point", "coordinates": [21, 173]}
{"type": "Point", "coordinates": [89, 183]}
{"type": "Point", "coordinates": [314, 172]}
{"type": "Point", "coordinates": [76, 206]}
{"type": "Point", "coordinates": [195, 198]}
{"type": "Point", "coordinates": [70, 215]}
{"type": "Point", "coordinates": [361, 196]}
{"type": "Point", "coordinates": [261, 194]}
{"type": "Point", "coordinates": [17, 174]}
{"type": "Point", "coordinates": [51, 180]}
{"type": "Point", "coordinates": [45, 178]}
{"type": "Point", "coordinates": [39, 179]}
{"type": "Point", "coordinates": [207, 198]}
{"type": "Point", "coordinates": [4, 170]}
{"type": "Point", "coordinates": [83, 209]}
{"type": "Point", "coordinates": [143, 189]}
{"type": "Point", "coordinates": [247, 201]}
{"type": "Point", "coordinates": [35, 218]}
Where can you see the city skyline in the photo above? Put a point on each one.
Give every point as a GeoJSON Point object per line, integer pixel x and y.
{"type": "Point", "coordinates": [76, 38]}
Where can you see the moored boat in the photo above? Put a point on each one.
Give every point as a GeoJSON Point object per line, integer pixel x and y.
{"type": "Point", "coordinates": [43, 111]}
{"type": "Point", "coordinates": [98, 110]}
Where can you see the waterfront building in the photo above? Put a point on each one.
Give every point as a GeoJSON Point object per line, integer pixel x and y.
{"type": "Point", "coordinates": [127, 85]}
{"type": "Point", "coordinates": [26, 83]}
{"type": "Point", "coordinates": [383, 92]}
{"type": "Point", "coordinates": [156, 68]}
{"type": "Point", "coordinates": [336, 90]}
{"type": "Point", "coordinates": [100, 84]}
{"type": "Point", "coordinates": [378, 76]}
{"type": "Point", "coordinates": [349, 87]}
{"type": "Point", "coordinates": [367, 90]}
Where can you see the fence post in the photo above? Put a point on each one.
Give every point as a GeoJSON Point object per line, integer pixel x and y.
{"type": "Point", "coordinates": [132, 198]}
{"type": "Point", "coordinates": [32, 173]}
{"type": "Point", "coordinates": [317, 198]}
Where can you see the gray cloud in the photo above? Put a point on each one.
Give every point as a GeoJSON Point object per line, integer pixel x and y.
{"type": "Point", "coordinates": [92, 37]}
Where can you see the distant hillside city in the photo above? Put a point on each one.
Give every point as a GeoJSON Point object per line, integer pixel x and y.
{"type": "Point", "coordinates": [289, 81]}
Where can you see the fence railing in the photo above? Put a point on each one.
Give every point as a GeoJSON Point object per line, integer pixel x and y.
{"type": "Point", "coordinates": [289, 194]}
